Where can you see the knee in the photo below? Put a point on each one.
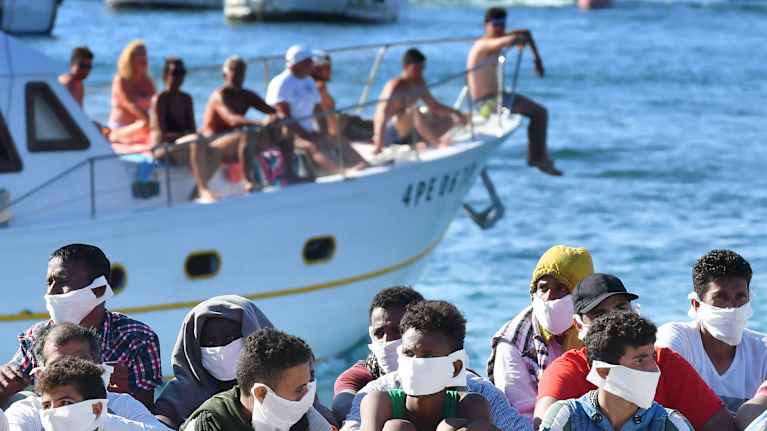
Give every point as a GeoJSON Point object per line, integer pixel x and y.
{"type": "Point", "coordinates": [398, 425]}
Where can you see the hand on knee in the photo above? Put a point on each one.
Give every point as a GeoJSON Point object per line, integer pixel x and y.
{"type": "Point", "coordinates": [452, 424]}
{"type": "Point", "coordinates": [398, 425]}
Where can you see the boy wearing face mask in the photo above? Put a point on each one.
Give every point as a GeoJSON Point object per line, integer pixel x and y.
{"type": "Point", "coordinates": [623, 367]}
{"type": "Point", "coordinates": [274, 392]}
{"type": "Point", "coordinates": [527, 344]}
{"type": "Point", "coordinates": [729, 357]}
{"type": "Point", "coordinates": [431, 359]}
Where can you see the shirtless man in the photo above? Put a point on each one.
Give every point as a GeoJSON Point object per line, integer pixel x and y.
{"type": "Point", "coordinates": [397, 114]}
{"type": "Point", "coordinates": [224, 113]}
{"type": "Point", "coordinates": [80, 65]}
{"type": "Point", "coordinates": [483, 83]}
{"type": "Point", "coordinates": [171, 115]}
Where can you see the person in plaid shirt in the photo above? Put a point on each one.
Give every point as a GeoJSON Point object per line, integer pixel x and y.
{"type": "Point", "coordinates": [78, 289]}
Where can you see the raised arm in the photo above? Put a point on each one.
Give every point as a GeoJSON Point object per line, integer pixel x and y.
{"type": "Point", "coordinates": [230, 117]}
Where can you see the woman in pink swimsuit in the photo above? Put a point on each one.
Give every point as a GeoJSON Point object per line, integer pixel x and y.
{"type": "Point", "coordinates": [132, 91]}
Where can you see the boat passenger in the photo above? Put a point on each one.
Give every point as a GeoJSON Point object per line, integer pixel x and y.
{"type": "Point", "coordinates": [275, 389]}
{"type": "Point", "coordinates": [223, 121]}
{"type": "Point", "coordinates": [567, 376]}
{"type": "Point", "coordinates": [67, 339]}
{"type": "Point", "coordinates": [351, 127]}
{"type": "Point", "coordinates": [483, 84]}
{"type": "Point", "coordinates": [296, 98]}
{"type": "Point", "coordinates": [752, 414]}
{"type": "Point", "coordinates": [729, 357]}
{"type": "Point", "coordinates": [624, 369]}
{"type": "Point", "coordinates": [171, 115]}
{"type": "Point", "coordinates": [80, 65]}
{"type": "Point", "coordinates": [132, 91]}
{"type": "Point", "coordinates": [385, 313]}
{"type": "Point", "coordinates": [528, 343]}
{"type": "Point", "coordinates": [398, 117]}
{"type": "Point", "coordinates": [205, 355]}
{"type": "Point", "coordinates": [431, 359]}
{"type": "Point", "coordinates": [78, 288]}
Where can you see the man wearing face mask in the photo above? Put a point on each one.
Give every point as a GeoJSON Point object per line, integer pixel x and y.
{"type": "Point", "coordinates": [623, 367]}
{"type": "Point", "coordinates": [274, 392]}
{"type": "Point", "coordinates": [729, 357]}
{"type": "Point", "coordinates": [78, 288]}
{"type": "Point", "coordinates": [567, 376]}
{"type": "Point", "coordinates": [385, 314]}
{"type": "Point", "coordinates": [526, 345]}
{"type": "Point", "coordinates": [70, 340]}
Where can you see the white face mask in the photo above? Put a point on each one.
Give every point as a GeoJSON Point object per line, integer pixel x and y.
{"type": "Point", "coordinates": [426, 376]}
{"type": "Point", "coordinates": [221, 362]}
{"type": "Point", "coordinates": [634, 386]}
{"type": "Point", "coordinates": [74, 417]}
{"type": "Point", "coordinates": [724, 324]}
{"type": "Point", "coordinates": [555, 316]}
{"type": "Point", "coordinates": [276, 413]}
{"type": "Point", "coordinates": [385, 352]}
{"type": "Point", "coordinates": [635, 308]}
{"type": "Point", "coordinates": [72, 307]}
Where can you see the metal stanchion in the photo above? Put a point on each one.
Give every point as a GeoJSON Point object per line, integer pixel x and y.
{"type": "Point", "coordinates": [168, 197]}
{"type": "Point", "coordinates": [92, 170]}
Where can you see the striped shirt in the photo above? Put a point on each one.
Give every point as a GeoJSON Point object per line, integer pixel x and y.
{"type": "Point", "coordinates": [123, 340]}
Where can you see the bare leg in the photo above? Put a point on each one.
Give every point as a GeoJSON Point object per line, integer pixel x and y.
{"type": "Point", "coordinates": [424, 129]}
{"type": "Point", "coordinates": [398, 425]}
{"type": "Point", "coordinates": [537, 155]}
{"type": "Point", "coordinates": [316, 155]}
{"type": "Point", "coordinates": [207, 158]}
{"type": "Point", "coordinates": [130, 132]}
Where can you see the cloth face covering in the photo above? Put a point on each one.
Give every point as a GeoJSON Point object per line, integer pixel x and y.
{"type": "Point", "coordinates": [632, 385]}
{"type": "Point", "coordinates": [221, 362]}
{"type": "Point", "coordinates": [74, 417]}
{"type": "Point", "coordinates": [385, 352]}
{"type": "Point", "coordinates": [724, 324]}
{"type": "Point", "coordinates": [555, 316]}
{"type": "Point", "coordinates": [277, 413]}
{"type": "Point", "coordinates": [425, 376]}
{"type": "Point", "coordinates": [635, 308]}
{"type": "Point", "coordinates": [72, 307]}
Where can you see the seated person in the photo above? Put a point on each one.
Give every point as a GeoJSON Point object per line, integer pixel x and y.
{"type": "Point", "coordinates": [622, 353]}
{"type": "Point", "coordinates": [132, 91]}
{"type": "Point", "coordinates": [397, 115]}
{"type": "Point", "coordinates": [78, 288]}
{"type": "Point", "coordinates": [729, 357]}
{"type": "Point", "coordinates": [431, 358]}
{"type": "Point", "coordinates": [275, 389]}
{"type": "Point", "coordinates": [525, 345]}
{"type": "Point", "coordinates": [294, 95]}
{"type": "Point", "coordinates": [171, 115]}
{"type": "Point", "coordinates": [385, 314]}
{"type": "Point", "coordinates": [223, 118]}
{"type": "Point", "coordinates": [67, 339]}
{"type": "Point", "coordinates": [80, 65]}
{"type": "Point", "coordinates": [205, 355]}
{"type": "Point", "coordinates": [566, 377]}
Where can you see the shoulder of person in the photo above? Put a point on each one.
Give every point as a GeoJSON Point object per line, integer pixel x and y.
{"type": "Point", "coordinates": [122, 323]}
{"type": "Point", "coordinates": [676, 421]}
{"type": "Point", "coordinates": [756, 337]}
{"type": "Point", "coordinates": [317, 422]}
{"type": "Point", "coordinates": [558, 416]}
{"type": "Point", "coordinates": [672, 332]}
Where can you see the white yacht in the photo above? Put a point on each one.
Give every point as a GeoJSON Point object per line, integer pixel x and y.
{"type": "Point", "coordinates": [356, 10]}
{"type": "Point", "coordinates": [28, 16]}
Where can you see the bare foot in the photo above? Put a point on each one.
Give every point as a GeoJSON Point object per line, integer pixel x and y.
{"type": "Point", "coordinates": [205, 196]}
{"type": "Point", "coordinates": [547, 167]}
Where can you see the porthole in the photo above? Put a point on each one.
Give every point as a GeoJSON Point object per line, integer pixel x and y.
{"type": "Point", "coordinates": [202, 264]}
{"type": "Point", "coordinates": [119, 278]}
{"type": "Point", "coordinates": [319, 250]}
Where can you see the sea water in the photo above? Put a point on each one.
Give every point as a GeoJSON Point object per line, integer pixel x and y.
{"type": "Point", "coordinates": [658, 116]}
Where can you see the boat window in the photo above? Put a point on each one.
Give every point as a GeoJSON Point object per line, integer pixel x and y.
{"type": "Point", "coordinates": [49, 125]}
{"type": "Point", "coordinates": [319, 250]}
{"type": "Point", "coordinates": [202, 264]}
{"type": "Point", "coordinates": [9, 158]}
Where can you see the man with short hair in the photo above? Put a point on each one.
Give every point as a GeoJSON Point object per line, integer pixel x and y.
{"type": "Point", "coordinates": [275, 389]}
{"type": "Point", "coordinates": [623, 367]}
{"type": "Point", "coordinates": [80, 65]}
{"type": "Point", "coordinates": [566, 377]}
{"type": "Point", "coordinates": [729, 357]}
{"type": "Point", "coordinates": [70, 340]}
{"type": "Point", "coordinates": [397, 115]}
{"type": "Point", "coordinates": [78, 288]}
{"type": "Point", "coordinates": [171, 115]}
{"type": "Point", "coordinates": [483, 84]}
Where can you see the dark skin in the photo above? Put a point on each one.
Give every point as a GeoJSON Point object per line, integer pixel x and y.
{"type": "Point", "coordinates": [426, 412]}
{"type": "Point", "coordinates": [292, 385]}
{"type": "Point", "coordinates": [173, 103]}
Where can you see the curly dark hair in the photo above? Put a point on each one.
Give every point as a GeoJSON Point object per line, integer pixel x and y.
{"type": "Point", "coordinates": [718, 264]}
{"type": "Point", "coordinates": [266, 354]}
{"type": "Point", "coordinates": [95, 261]}
{"type": "Point", "coordinates": [84, 375]}
{"type": "Point", "coordinates": [439, 316]}
{"type": "Point", "coordinates": [399, 296]}
{"type": "Point", "coordinates": [62, 333]}
{"type": "Point", "coordinates": [611, 334]}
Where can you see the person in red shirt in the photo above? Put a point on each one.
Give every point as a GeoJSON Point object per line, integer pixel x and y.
{"type": "Point", "coordinates": [680, 387]}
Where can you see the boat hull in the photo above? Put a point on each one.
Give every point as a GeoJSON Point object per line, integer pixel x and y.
{"type": "Point", "coordinates": [339, 10]}
{"type": "Point", "coordinates": [166, 4]}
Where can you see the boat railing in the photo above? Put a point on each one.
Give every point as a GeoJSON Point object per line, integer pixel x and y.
{"type": "Point", "coordinates": [150, 189]}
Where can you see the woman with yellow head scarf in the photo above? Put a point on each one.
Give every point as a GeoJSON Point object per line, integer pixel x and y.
{"type": "Point", "coordinates": [527, 344]}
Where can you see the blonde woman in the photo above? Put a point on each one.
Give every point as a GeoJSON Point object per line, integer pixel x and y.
{"type": "Point", "coordinates": [132, 91]}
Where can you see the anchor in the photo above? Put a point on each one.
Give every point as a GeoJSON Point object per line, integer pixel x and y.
{"type": "Point", "coordinates": [488, 217]}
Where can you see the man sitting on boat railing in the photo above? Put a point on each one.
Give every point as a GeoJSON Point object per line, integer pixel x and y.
{"type": "Point", "coordinates": [398, 118]}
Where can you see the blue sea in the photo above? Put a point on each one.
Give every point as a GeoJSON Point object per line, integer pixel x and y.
{"type": "Point", "coordinates": [658, 116]}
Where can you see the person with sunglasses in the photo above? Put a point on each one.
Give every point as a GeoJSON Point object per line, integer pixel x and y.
{"type": "Point", "coordinates": [80, 65]}
{"type": "Point", "coordinates": [171, 115]}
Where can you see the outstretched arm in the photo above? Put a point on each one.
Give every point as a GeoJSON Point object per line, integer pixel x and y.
{"type": "Point", "coordinates": [441, 109]}
{"type": "Point", "coordinates": [257, 102]}
{"type": "Point", "coordinates": [229, 116]}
